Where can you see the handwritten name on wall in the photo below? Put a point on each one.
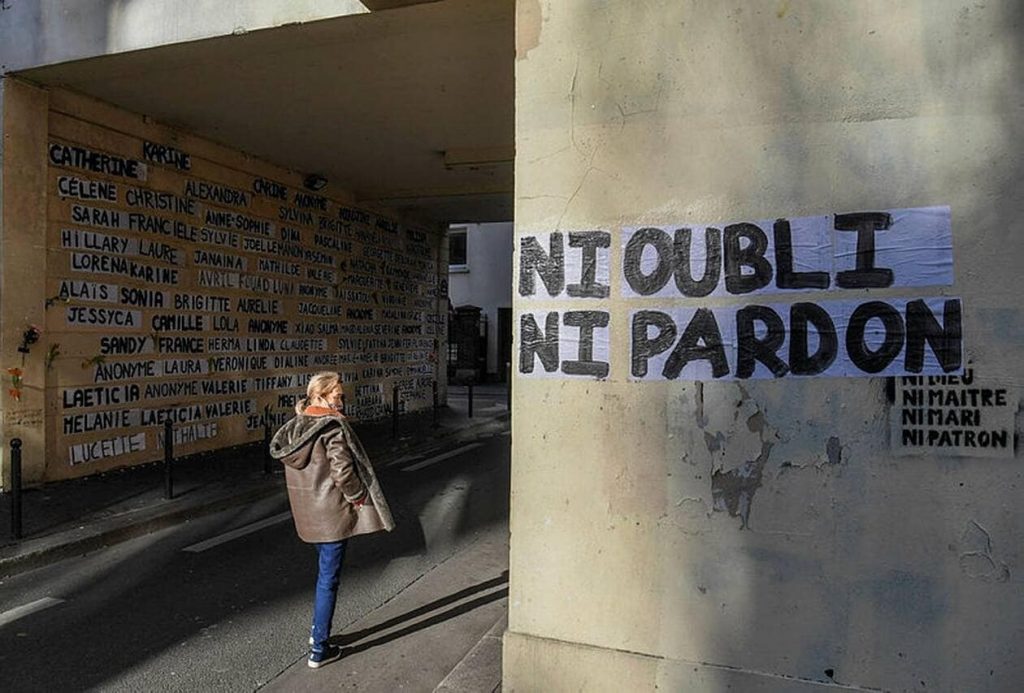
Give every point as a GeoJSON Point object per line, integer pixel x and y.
{"type": "Point", "coordinates": [206, 296]}
{"type": "Point", "coordinates": [811, 259]}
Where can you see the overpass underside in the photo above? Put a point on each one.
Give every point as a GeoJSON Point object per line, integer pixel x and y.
{"type": "Point", "coordinates": [196, 226]}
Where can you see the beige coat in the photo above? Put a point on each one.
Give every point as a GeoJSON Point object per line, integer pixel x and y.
{"type": "Point", "coordinates": [327, 473]}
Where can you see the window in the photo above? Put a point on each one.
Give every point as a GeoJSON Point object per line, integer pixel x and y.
{"type": "Point", "coordinates": [457, 249]}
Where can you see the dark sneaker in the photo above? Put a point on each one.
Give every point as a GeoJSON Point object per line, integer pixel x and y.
{"type": "Point", "coordinates": [318, 659]}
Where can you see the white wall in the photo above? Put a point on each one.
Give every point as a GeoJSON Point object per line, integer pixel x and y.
{"type": "Point", "coordinates": [487, 283]}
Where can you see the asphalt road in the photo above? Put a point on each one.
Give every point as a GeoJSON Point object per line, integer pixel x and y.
{"type": "Point", "coordinates": [201, 606]}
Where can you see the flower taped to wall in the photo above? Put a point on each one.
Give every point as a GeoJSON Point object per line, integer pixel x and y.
{"type": "Point", "coordinates": [694, 303]}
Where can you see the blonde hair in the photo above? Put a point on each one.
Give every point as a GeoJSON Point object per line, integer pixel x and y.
{"type": "Point", "coordinates": [319, 385]}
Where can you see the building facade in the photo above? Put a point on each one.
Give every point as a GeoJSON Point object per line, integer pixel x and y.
{"type": "Point", "coordinates": [480, 275]}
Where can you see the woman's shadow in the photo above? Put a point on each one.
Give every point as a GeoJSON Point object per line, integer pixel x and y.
{"type": "Point", "coordinates": [482, 588]}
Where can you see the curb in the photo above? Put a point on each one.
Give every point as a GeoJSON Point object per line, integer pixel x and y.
{"type": "Point", "coordinates": [479, 671]}
{"type": "Point", "coordinates": [35, 553]}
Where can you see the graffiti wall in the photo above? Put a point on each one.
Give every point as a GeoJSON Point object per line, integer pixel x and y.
{"type": "Point", "coordinates": [188, 283]}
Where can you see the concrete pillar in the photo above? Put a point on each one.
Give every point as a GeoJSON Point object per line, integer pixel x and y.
{"type": "Point", "coordinates": [23, 270]}
{"type": "Point", "coordinates": [764, 535]}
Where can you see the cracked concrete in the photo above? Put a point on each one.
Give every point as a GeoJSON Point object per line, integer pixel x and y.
{"type": "Point", "coordinates": [976, 558]}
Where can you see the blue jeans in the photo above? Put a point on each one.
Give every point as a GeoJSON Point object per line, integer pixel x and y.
{"type": "Point", "coordinates": [331, 556]}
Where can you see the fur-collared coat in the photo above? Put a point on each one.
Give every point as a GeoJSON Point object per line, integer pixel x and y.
{"type": "Point", "coordinates": [328, 473]}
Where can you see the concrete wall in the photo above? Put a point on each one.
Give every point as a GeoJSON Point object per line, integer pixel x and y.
{"type": "Point", "coordinates": [763, 535]}
{"type": "Point", "coordinates": [174, 277]}
{"type": "Point", "coordinates": [487, 281]}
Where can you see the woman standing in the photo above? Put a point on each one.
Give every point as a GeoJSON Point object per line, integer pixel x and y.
{"type": "Point", "coordinates": [333, 492]}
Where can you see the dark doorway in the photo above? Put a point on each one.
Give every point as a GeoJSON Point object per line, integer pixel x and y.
{"type": "Point", "coordinates": [504, 342]}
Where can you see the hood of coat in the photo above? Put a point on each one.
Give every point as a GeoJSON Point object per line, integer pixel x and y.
{"type": "Point", "coordinates": [293, 443]}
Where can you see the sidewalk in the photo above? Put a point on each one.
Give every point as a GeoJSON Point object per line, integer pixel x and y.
{"type": "Point", "coordinates": [442, 633]}
{"type": "Point", "coordinates": [75, 517]}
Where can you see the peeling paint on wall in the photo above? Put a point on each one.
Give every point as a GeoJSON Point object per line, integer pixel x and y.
{"type": "Point", "coordinates": [734, 432]}
{"type": "Point", "coordinates": [734, 490]}
{"type": "Point", "coordinates": [702, 421]}
{"type": "Point", "coordinates": [834, 450]}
